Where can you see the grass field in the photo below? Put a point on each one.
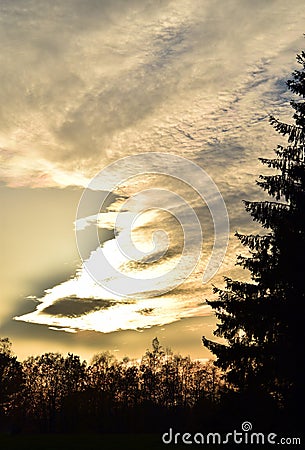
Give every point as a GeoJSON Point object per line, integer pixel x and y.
{"type": "Point", "coordinates": [85, 442]}
{"type": "Point", "coordinates": [90, 442]}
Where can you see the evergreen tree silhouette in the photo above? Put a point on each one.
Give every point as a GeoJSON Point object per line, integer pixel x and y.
{"type": "Point", "coordinates": [263, 321]}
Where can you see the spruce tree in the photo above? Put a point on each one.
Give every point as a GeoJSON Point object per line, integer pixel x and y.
{"type": "Point", "coordinates": [263, 321]}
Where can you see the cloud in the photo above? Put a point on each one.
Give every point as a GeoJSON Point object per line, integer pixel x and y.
{"type": "Point", "coordinates": [85, 83]}
{"type": "Point", "coordinates": [75, 307]}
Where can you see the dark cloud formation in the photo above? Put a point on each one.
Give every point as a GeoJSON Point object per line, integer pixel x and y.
{"type": "Point", "coordinates": [74, 307]}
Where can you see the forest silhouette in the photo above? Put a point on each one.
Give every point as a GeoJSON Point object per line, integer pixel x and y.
{"type": "Point", "coordinates": [56, 393]}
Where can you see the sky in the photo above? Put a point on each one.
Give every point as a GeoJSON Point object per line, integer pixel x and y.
{"type": "Point", "coordinates": [84, 85]}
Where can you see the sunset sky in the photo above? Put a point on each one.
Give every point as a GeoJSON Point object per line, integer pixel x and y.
{"type": "Point", "coordinates": [85, 83]}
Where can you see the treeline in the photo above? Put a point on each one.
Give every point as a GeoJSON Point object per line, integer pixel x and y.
{"type": "Point", "coordinates": [53, 393]}
{"type": "Point", "coordinates": [56, 393]}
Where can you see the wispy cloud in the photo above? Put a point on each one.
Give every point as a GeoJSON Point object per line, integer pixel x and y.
{"type": "Point", "coordinates": [84, 84]}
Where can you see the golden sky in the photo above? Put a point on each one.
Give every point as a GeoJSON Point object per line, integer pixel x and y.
{"type": "Point", "coordinates": [83, 84]}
